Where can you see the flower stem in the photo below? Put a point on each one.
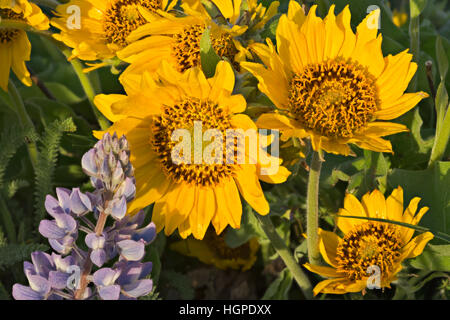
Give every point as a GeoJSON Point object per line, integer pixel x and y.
{"type": "Point", "coordinates": [312, 207]}
{"type": "Point", "coordinates": [87, 87]}
{"type": "Point", "coordinates": [281, 248]}
{"type": "Point", "coordinates": [24, 120]}
{"type": "Point", "coordinates": [87, 267]}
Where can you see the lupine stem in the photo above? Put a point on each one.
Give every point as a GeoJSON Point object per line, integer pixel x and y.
{"type": "Point", "coordinates": [24, 120]}
{"type": "Point", "coordinates": [87, 267]}
{"type": "Point", "coordinates": [312, 213]}
{"type": "Point", "coordinates": [281, 248]}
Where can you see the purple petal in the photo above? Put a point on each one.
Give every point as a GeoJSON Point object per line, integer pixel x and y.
{"type": "Point", "coordinates": [105, 277]}
{"type": "Point", "coordinates": [95, 242]}
{"type": "Point", "coordinates": [105, 171]}
{"type": "Point", "coordinates": [62, 264]}
{"type": "Point", "coordinates": [52, 206]}
{"type": "Point", "coordinates": [147, 234]}
{"type": "Point", "coordinates": [66, 222]}
{"type": "Point", "coordinates": [64, 198]}
{"type": "Point", "coordinates": [39, 284]}
{"type": "Point", "coordinates": [88, 163]}
{"type": "Point", "coordinates": [139, 288]}
{"type": "Point", "coordinates": [131, 250]}
{"type": "Point", "coordinates": [119, 208]}
{"type": "Point", "coordinates": [127, 189]}
{"type": "Point", "coordinates": [79, 202]}
{"type": "Point", "coordinates": [118, 175]}
{"type": "Point", "coordinates": [42, 263]}
{"type": "Point", "coordinates": [132, 271]}
{"type": "Point", "coordinates": [62, 246]}
{"type": "Point", "coordinates": [98, 257]}
{"type": "Point", "coordinates": [50, 230]}
{"type": "Point", "coordinates": [58, 279]}
{"type": "Point", "coordinates": [109, 292]}
{"type": "Point", "coordinates": [21, 292]}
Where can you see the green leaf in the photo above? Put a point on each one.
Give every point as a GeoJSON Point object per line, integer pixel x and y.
{"type": "Point", "coordinates": [4, 295]}
{"type": "Point", "coordinates": [208, 56]}
{"type": "Point", "coordinates": [279, 289]}
{"type": "Point", "coordinates": [433, 258]}
{"type": "Point", "coordinates": [432, 186]}
{"type": "Point", "coordinates": [441, 58]}
{"type": "Point", "coordinates": [48, 156]}
{"type": "Point", "coordinates": [416, 7]}
{"type": "Point", "coordinates": [14, 253]}
{"type": "Point", "coordinates": [180, 282]}
{"type": "Point", "coordinates": [62, 93]}
{"type": "Point", "coordinates": [250, 228]}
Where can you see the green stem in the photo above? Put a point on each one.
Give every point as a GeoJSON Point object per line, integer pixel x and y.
{"type": "Point", "coordinates": [24, 120]}
{"type": "Point", "coordinates": [415, 8]}
{"type": "Point", "coordinates": [312, 213]}
{"type": "Point", "coordinates": [281, 248]}
{"type": "Point", "coordinates": [7, 221]}
{"type": "Point", "coordinates": [87, 87]}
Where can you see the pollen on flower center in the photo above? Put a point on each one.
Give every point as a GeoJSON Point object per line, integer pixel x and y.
{"type": "Point", "coordinates": [123, 17]}
{"type": "Point", "coordinates": [182, 115]}
{"type": "Point", "coordinates": [186, 48]}
{"type": "Point", "coordinates": [335, 98]}
{"type": "Point", "coordinates": [7, 34]}
{"type": "Point", "coordinates": [369, 244]}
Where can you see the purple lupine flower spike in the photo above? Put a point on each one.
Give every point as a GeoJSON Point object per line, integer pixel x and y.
{"type": "Point", "coordinates": [57, 276]}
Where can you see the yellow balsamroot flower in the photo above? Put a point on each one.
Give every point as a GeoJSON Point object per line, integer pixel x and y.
{"type": "Point", "coordinates": [97, 29]}
{"type": "Point", "coordinates": [214, 251]}
{"type": "Point", "coordinates": [399, 18]}
{"type": "Point", "coordinates": [331, 84]}
{"type": "Point", "coordinates": [367, 245]}
{"type": "Point", "coordinates": [188, 195]}
{"type": "Point", "coordinates": [15, 48]}
{"type": "Point", "coordinates": [258, 15]}
{"type": "Point", "coordinates": [177, 40]}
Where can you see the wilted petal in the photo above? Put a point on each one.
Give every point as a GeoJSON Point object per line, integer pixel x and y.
{"type": "Point", "coordinates": [118, 208]}
{"type": "Point", "coordinates": [131, 250]}
{"type": "Point", "coordinates": [88, 163]}
{"type": "Point", "coordinates": [98, 257]}
{"type": "Point", "coordinates": [79, 202]}
{"type": "Point", "coordinates": [50, 230]}
{"type": "Point", "coordinates": [58, 279]}
{"type": "Point", "coordinates": [21, 292]}
{"type": "Point", "coordinates": [139, 288]}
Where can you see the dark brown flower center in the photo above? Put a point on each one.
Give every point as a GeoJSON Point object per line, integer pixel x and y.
{"type": "Point", "coordinates": [335, 98]}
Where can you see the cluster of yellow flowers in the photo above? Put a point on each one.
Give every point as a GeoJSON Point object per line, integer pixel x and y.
{"type": "Point", "coordinates": [329, 84]}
